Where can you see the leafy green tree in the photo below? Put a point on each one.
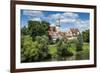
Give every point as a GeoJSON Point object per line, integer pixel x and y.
{"type": "Point", "coordinates": [29, 52]}
{"type": "Point", "coordinates": [85, 35]}
{"type": "Point", "coordinates": [34, 51]}
{"type": "Point", "coordinates": [37, 28]}
{"type": "Point", "coordinates": [24, 31]}
{"type": "Point", "coordinates": [43, 47]}
{"type": "Point", "coordinates": [62, 49]}
{"type": "Point", "coordinates": [79, 43]}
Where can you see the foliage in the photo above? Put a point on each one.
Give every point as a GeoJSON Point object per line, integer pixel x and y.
{"type": "Point", "coordinates": [34, 51]}
{"type": "Point", "coordinates": [62, 49]}
{"type": "Point", "coordinates": [43, 47]}
{"type": "Point", "coordinates": [36, 46]}
{"type": "Point", "coordinates": [24, 31]}
{"type": "Point", "coordinates": [52, 51]}
{"type": "Point", "coordinates": [37, 28]}
{"type": "Point", "coordinates": [79, 43]}
{"type": "Point", "coordinates": [28, 49]}
{"type": "Point", "coordinates": [83, 55]}
{"type": "Point", "coordinates": [85, 35]}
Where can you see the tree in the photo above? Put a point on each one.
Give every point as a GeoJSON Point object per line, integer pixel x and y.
{"type": "Point", "coordinates": [62, 49]}
{"type": "Point", "coordinates": [79, 43]}
{"type": "Point", "coordinates": [43, 48]}
{"type": "Point", "coordinates": [34, 51]}
{"type": "Point", "coordinates": [37, 28]}
{"type": "Point", "coordinates": [24, 31]}
{"type": "Point", "coordinates": [85, 35]}
{"type": "Point", "coordinates": [29, 52]}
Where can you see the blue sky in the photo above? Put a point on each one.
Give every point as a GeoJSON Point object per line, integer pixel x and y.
{"type": "Point", "coordinates": [67, 19]}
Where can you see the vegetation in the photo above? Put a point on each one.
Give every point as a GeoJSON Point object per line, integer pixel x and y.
{"type": "Point", "coordinates": [28, 49]}
{"type": "Point", "coordinates": [36, 46]}
{"type": "Point", "coordinates": [79, 43]}
{"type": "Point", "coordinates": [36, 28]}
{"type": "Point", "coordinates": [24, 31]}
{"type": "Point", "coordinates": [62, 49]}
{"type": "Point", "coordinates": [85, 35]}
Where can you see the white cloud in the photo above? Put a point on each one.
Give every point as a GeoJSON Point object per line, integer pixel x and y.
{"type": "Point", "coordinates": [55, 16]}
{"type": "Point", "coordinates": [70, 15]}
{"type": "Point", "coordinates": [52, 24]}
{"type": "Point", "coordinates": [68, 20]}
{"type": "Point", "coordinates": [65, 18]}
{"type": "Point", "coordinates": [64, 15]}
{"type": "Point", "coordinates": [32, 13]}
{"type": "Point", "coordinates": [36, 19]}
{"type": "Point", "coordinates": [82, 24]}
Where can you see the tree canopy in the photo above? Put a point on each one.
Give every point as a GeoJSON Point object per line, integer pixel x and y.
{"type": "Point", "coordinates": [85, 35]}
{"type": "Point", "coordinates": [37, 28]}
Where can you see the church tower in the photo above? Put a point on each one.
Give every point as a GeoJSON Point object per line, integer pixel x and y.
{"type": "Point", "coordinates": [58, 25]}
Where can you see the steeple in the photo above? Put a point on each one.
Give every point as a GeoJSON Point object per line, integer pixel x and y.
{"type": "Point", "coordinates": [58, 22]}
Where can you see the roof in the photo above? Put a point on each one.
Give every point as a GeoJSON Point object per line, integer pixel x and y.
{"type": "Point", "coordinates": [74, 30]}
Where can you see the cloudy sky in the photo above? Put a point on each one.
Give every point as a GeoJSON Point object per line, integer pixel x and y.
{"type": "Point", "coordinates": [68, 20]}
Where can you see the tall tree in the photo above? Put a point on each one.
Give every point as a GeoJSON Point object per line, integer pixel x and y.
{"type": "Point", "coordinates": [62, 49]}
{"type": "Point", "coordinates": [79, 43]}
{"type": "Point", "coordinates": [24, 31]}
{"type": "Point", "coordinates": [34, 51]}
{"type": "Point", "coordinates": [37, 28]}
{"type": "Point", "coordinates": [43, 47]}
{"type": "Point", "coordinates": [85, 35]}
{"type": "Point", "coordinates": [29, 52]}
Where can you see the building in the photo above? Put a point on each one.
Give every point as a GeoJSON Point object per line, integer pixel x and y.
{"type": "Point", "coordinates": [55, 32]}
{"type": "Point", "coordinates": [70, 34]}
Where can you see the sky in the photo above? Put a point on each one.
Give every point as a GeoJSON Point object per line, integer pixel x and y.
{"type": "Point", "coordinates": [68, 20]}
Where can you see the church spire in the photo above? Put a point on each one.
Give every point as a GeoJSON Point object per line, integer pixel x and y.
{"type": "Point", "coordinates": [58, 22]}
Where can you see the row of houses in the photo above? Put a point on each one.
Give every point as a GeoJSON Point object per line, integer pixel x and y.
{"type": "Point", "coordinates": [55, 33]}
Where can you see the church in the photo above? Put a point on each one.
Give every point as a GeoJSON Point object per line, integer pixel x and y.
{"type": "Point", "coordinates": [55, 33]}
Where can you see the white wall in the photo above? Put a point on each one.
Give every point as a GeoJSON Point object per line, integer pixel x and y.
{"type": "Point", "coordinates": [5, 36]}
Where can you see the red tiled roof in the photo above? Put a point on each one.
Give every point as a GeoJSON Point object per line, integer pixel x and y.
{"type": "Point", "coordinates": [74, 30]}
